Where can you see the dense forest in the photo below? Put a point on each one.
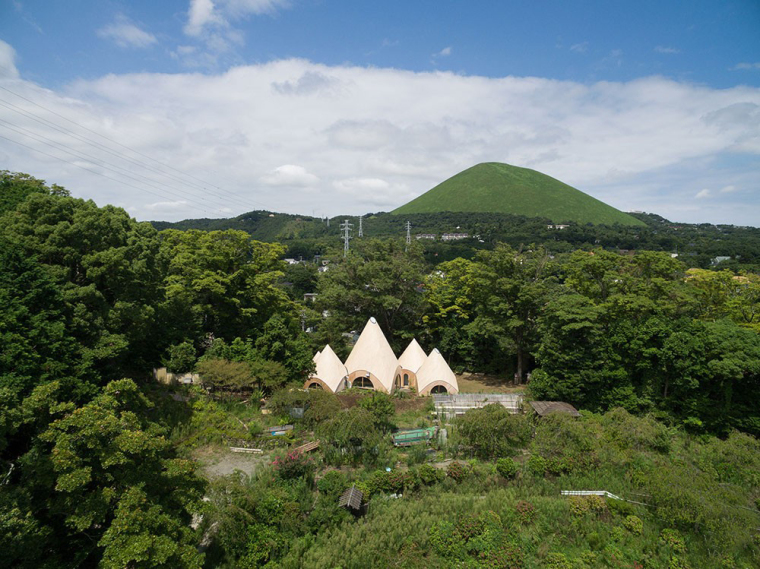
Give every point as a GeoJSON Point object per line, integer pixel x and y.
{"type": "Point", "coordinates": [304, 236]}
{"type": "Point", "coordinates": [99, 463]}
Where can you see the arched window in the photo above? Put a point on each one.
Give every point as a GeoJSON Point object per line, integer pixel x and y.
{"type": "Point", "coordinates": [314, 385]}
{"type": "Point", "coordinates": [439, 389]}
{"type": "Point", "coordinates": [363, 382]}
{"type": "Point", "coordinates": [406, 380]}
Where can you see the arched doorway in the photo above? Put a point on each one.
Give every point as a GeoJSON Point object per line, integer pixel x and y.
{"type": "Point", "coordinates": [314, 385]}
{"type": "Point", "coordinates": [438, 389]}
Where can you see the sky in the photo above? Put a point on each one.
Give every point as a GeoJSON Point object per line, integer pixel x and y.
{"type": "Point", "coordinates": [178, 109]}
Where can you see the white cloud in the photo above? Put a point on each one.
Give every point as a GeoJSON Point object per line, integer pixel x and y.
{"type": "Point", "coordinates": [728, 189]}
{"type": "Point", "coordinates": [290, 175]}
{"type": "Point", "coordinates": [298, 137]}
{"type": "Point", "coordinates": [746, 66]}
{"type": "Point", "coordinates": [579, 47]}
{"type": "Point", "coordinates": [204, 13]}
{"type": "Point", "coordinates": [126, 34]}
{"type": "Point", "coordinates": [666, 49]}
{"type": "Point", "coordinates": [445, 52]}
{"type": "Point", "coordinates": [705, 193]}
{"type": "Point", "coordinates": [7, 61]}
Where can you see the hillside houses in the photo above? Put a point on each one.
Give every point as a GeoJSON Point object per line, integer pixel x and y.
{"type": "Point", "coordinates": [372, 364]}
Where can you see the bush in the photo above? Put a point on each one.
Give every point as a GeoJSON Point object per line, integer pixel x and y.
{"type": "Point", "coordinates": [333, 483]}
{"type": "Point", "coordinates": [180, 358]}
{"type": "Point", "coordinates": [293, 465]}
{"type": "Point", "coordinates": [493, 431]}
{"type": "Point", "coordinates": [526, 512]}
{"type": "Point", "coordinates": [457, 471]}
{"type": "Point", "coordinates": [506, 467]}
{"type": "Point", "coordinates": [429, 475]}
{"type": "Point", "coordinates": [224, 375]}
{"type": "Point", "coordinates": [321, 406]}
{"type": "Point", "coordinates": [557, 561]}
{"type": "Point", "coordinates": [537, 465]}
{"type": "Point", "coordinates": [381, 406]}
{"type": "Point", "coordinates": [634, 525]}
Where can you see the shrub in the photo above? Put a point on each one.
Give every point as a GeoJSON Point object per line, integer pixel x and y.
{"type": "Point", "coordinates": [493, 431]}
{"type": "Point", "coordinates": [457, 471]}
{"type": "Point", "coordinates": [674, 540]}
{"type": "Point", "coordinates": [332, 483]}
{"type": "Point", "coordinates": [526, 512]}
{"type": "Point", "coordinates": [429, 474]}
{"type": "Point", "coordinates": [293, 465]}
{"type": "Point", "coordinates": [506, 467]}
{"type": "Point", "coordinates": [582, 505]}
{"type": "Point", "coordinates": [634, 525]}
{"type": "Point", "coordinates": [557, 561]}
{"type": "Point", "coordinates": [381, 406]}
{"type": "Point", "coordinates": [537, 465]}
{"type": "Point", "coordinates": [322, 405]}
{"type": "Point", "coordinates": [180, 358]}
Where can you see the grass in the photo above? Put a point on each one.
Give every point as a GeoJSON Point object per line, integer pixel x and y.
{"type": "Point", "coordinates": [484, 383]}
{"type": "Point", "coordinates": [501, 188]}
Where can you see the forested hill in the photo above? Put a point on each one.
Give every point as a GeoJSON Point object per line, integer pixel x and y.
{"type": "Point", "coordinates": [306, 236]}
{"type": "Point", "coordinates": [502, 188]}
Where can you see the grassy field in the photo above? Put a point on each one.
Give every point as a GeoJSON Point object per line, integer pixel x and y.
{"type": "Point", "coordinates": [501, 188]}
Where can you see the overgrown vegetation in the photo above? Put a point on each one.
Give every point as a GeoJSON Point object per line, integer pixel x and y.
{"type": "Point", "coordinates": [97, 460]}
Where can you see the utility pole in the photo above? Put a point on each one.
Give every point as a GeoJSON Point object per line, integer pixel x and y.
{"type": "Point", "coordinates": [345, 227]}
{"type": "Point", "coordinates": [361, 229]}
{"type": "Point", "coordinates": [408, 234]}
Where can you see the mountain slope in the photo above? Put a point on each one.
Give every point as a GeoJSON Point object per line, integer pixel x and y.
{"type": "Point", "coordinates": [500, 188]}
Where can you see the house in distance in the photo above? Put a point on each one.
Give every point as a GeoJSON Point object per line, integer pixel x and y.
{"type": "Point", "coordinates": [372, 364]}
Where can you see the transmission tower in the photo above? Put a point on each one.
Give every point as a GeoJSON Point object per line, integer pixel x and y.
{"type": "Point", "coordinates": [408, 234]}
{"type": "Point", "coordinates": [361, 229]}
{"type": "Point", "coordinates": [346, 227]}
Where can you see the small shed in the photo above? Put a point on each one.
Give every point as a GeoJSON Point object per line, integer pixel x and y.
{"type": "Point", "coordinates": [352, 499]}
{"type": "Point", "coordinates": [543, 408]}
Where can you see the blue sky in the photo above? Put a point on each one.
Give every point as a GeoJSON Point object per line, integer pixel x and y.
{"type": "Point", "coordinates": [327, 107]}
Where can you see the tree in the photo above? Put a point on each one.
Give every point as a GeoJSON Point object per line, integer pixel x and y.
{"type": "Point", "coordinates": [221, 282]}
{"type": "Point", "coordinates": [15, 187]}
{"type": "Point", "coordinates": [493, 431]}
{"type": "Point", "coordinates": [380, 279]}
{"type": "Point", "coordinates": [107, 268]}
{"type": "Point", "coordinates": [510, 288]}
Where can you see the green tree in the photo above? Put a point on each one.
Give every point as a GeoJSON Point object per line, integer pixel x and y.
{"type": "Point", "coordinates": [221, 282]}
{"type": "Point", "coordinates": [107, 268]}
{"type": "Point", "coordinates": [378, 278]}
{"type": "Point", "coordinates": [15, 187]}
{"type": "Point", "coordinates": [510, 289]}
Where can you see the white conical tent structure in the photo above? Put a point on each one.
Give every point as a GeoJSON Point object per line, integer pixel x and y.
{"type": "Point", "coordinates": [372, 359]}
{"type": "Point", "coordinates": [408, 364]}
{"type": "Point", "coordinates": [435, 372]}
{"type": "Point", "coordinates": [316, 356]}
{"type": "Point", "coordinates": [330, 374]}
{"type": "Point", "coordinates": [413, 357]}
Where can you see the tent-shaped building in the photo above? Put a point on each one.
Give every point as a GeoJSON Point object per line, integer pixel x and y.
{"type": "Point", "coordinates": [435, 376]}
{"type": "Point", "coordinates": [408, 364]}
{"type": "Point", "coordinates": [330, 375]}
{"type": "Point", "coordinates": [372, 363]}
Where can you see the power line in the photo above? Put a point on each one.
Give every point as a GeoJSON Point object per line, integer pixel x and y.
{"type": "Point", "coordinates": [46, 122]}
{"type": "Point", "coordinates": [104, 165]}
{"type": "Point", "coordinates": [76, 136]}
{"type": "Point", "coordinates": [83, 168]}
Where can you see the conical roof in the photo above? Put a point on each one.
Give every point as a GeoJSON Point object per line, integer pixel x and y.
{"type": "Point", "coordinates": [413, 357]}
{"type": "Point", "coordinates": [374, 354]}
{"type": "Point", "coordinates": [435, 371]}
{"type": "Point", "coordinates": [329, 369]}
{"type": "Point", "coordinates": [316, 356]}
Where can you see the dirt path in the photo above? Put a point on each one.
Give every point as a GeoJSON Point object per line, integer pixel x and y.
{"type": "Point", "coordinates": [215, 461]}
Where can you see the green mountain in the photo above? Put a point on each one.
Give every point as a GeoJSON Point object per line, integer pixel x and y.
{"type": "Point", "coordinates": [500, 188]}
